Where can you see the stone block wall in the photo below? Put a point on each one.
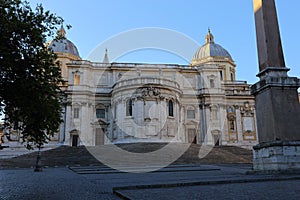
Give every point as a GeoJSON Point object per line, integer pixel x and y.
{"type": "Point", "coordinates": [277, 156]}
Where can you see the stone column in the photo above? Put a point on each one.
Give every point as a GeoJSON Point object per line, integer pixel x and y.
{"type": "Point", "coordinates": [276, 97]}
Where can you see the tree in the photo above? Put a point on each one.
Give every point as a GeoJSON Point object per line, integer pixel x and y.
{"type": "Point", "coordinates": [29, 77]}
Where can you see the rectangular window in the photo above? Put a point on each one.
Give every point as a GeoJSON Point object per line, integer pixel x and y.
{"type": "Point", "coordinates": [76, 113]}
{"type": "Point", "coordinates": [77, 80]}
{"type": "Point", "coordinates": [100, 113]}
{"type": "Point", "coordinates": [212, 83]}
{"type": "Point", "coordinates": [191, 114]}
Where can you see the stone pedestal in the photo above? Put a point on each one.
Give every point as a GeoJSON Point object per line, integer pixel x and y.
{"type": "Point", "coordinates": [277, 105]}
{"type": "Point", "coordinates": [277, 156]}
{"type": "Point", "coordinates": [278, 121]}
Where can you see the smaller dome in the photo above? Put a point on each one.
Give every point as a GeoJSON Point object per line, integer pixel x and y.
{"type": "Point", "coordinates": [62, 44]}
{"type": "Point", "coordinates": [210, 49]}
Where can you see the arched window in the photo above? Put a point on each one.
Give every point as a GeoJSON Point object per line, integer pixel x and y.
{"type": "Point", "coordinates": [129, 107]}
{"type": "Point", "coordinates": [232, 125]}
{"type": "Point", "coordinates": [171, 108]}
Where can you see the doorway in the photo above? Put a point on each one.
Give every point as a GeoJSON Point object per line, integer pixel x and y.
{"type": "Point", "coordinates": [192, 136]}
{"type": "Point", "coordinates": [75, 140]}
{"type": "Point", "coordinates": [99, 136]}
{"type": "Point", "coordinates": [216, 140]}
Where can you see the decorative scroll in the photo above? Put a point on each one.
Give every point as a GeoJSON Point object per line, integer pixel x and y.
{"type": "Point", "coordinates": [148, 92]}
{"type": "Point", "coordinates": [247, 110]}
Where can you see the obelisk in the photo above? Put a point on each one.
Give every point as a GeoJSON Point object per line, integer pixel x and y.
{"type": "Point", "coordinates": [276, 97]}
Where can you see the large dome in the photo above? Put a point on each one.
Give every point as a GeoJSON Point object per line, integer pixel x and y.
{"type": "Point", "coordinates": [63, 45]}
{"type": "Point", "coordinates": [210, 49]}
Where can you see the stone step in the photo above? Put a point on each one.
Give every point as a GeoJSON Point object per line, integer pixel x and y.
{"type": "Point", "coordinates": [152, 169]}
{"type": "Point", "coordinates": [80, 156]}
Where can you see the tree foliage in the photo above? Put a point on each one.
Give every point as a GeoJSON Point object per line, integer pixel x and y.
{"type": "Point", "coordinates": [30, 78]}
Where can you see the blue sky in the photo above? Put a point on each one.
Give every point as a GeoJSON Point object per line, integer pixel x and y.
{"type": "Point", "coordinates": [231, 22]}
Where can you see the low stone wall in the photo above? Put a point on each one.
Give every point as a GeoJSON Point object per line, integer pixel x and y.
{"type": "Point", "coordinates": [276, 156]}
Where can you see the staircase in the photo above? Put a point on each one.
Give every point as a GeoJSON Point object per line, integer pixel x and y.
{"type": "Point", "coordinates": [80, 156]}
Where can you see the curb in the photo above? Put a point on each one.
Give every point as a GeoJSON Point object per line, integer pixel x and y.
{"type": "Point", "coordinates": [118, 190]}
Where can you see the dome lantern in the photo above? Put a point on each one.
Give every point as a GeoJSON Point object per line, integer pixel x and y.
{"type": "Point", "coordinates": [209, 37]}
{"type": "Point", "coordinates": [61, 33]}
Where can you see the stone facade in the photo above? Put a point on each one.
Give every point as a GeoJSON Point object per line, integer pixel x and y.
{"type": "Point", "coordinates": [129, 102]}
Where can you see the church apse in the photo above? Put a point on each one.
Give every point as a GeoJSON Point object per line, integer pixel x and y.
{"type": "Point", "coordinates": [147, 109]}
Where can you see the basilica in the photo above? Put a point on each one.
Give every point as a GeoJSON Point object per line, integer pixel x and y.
{"type": "Point", "coordinates": [110, 102]}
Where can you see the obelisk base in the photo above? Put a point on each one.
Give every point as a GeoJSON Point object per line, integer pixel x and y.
{"type": "Point", "coordinates": [278, 114]}
{"type": "Point", "coordinates": [277, 105]}
{"type": "Point", "coordinates": [277, 157]}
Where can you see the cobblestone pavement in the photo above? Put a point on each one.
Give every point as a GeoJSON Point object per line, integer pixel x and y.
{"type": "Point", "coordinates": [192, 181]}
{"type": "Point", "coordinates": [52, 183]}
